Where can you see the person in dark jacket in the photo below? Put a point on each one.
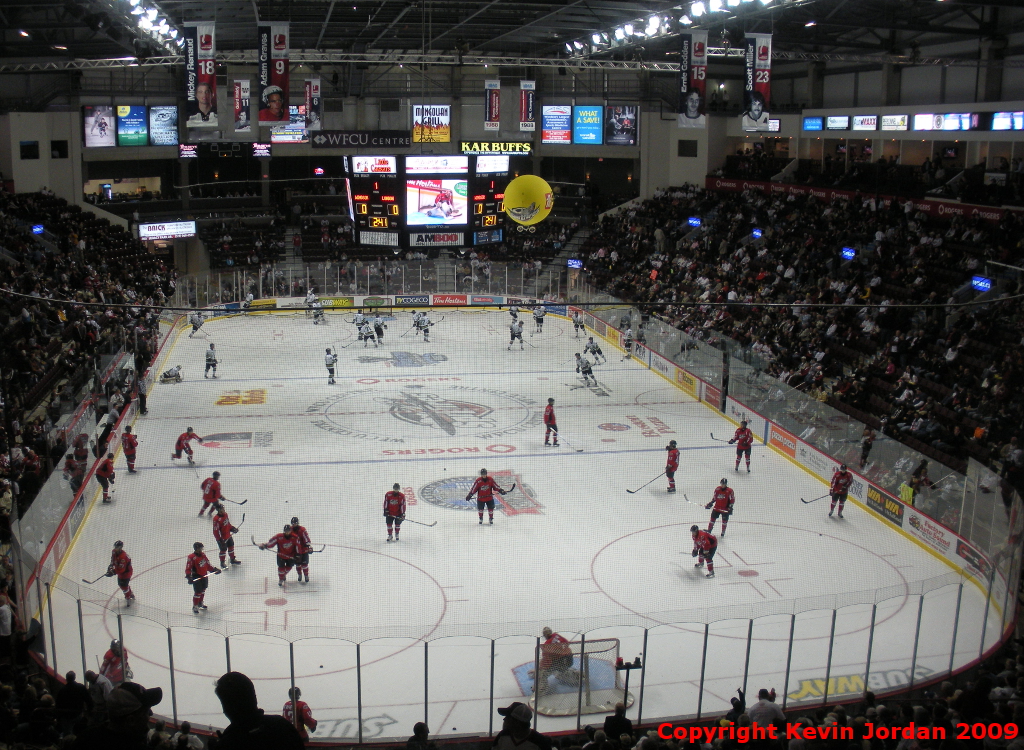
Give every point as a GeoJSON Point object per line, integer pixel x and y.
{"type": "Point", "coordinates": [250, 728]}
{"type": "Point", "coordinates": [617, 724]}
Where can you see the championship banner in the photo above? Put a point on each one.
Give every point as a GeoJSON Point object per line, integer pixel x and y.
{"type": "Point", "coordinates": [492, 105]}
{"type": "Point", "coordinates": [693, 69]}
{"type": "Point", "coordinates": [527, 105]}
{"type": "Point", "coordinates": [314, 104]}
{"type": "Point", "coordinates": [242, 122]}
{"type": "Point", "coordinates": [757, 81]}
{"type": "Point", "coordinates": [272, 72]}
{"type": "Point", "coordinates": [200, 76]}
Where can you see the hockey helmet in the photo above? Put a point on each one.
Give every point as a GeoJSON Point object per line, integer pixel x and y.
{"type": "Point", "coordinates": [483, 472]}
{"type": "Point", "coordinates": [842, 467]}
{"type": "Point", "coordinates": [724, 482]}
{"type": "Point", "coordinates": [328, 351]}
{"type": "Point", "coordinates": [396, 486]}
{"type": "Point", "coordinates": [671, 443]}
{"type": "Point", "coordinates": [128, 428]}
{"type": "Point", "coordinates": [551, 401]}
{"type": "Point", "coordinates": [219, 507]}
{"type": "Point", "coordinates": [188, 429]}
{"type": "Point", "coordinates": [118, 543]}
{"type": "Point", "coordinates": [287, 527]}
{"type": "Point", "coordinates": [270, 90]}
{"type": "Point", "coordinates": [591, 339]}
{"type": "Point", "coordinates": [295, 520]}
{"type": "Point", "coordinates": [694, 529]}
{"type": "Point", "coordinates": [197, 546]}
{"type": "Point", "coordinates": [294, 693]}
{"type": "Point", "coordinates": [216, 474]}
{"type": "Point", "coordinates": [743, 423]}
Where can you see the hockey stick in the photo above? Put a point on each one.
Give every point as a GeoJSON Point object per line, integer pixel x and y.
{"type": "Point", "coordinates": [241, 522]}
{"type": "Point", "coordinates": [578, 450]}
{"type": "Point", "coordinates": [410, 328]}
{"type": "Point", "coordinates": [718, 439]}
{"type": "Point", "coordinates": [96, 581]}
{"type": "Point", "coordinates": [322, 548]}
{"type": "Point", "coordinates": [420, 523]}
{"type": "Point", "coordinates": [509, 490]}
{"type": "Point", "coordinates": [808, 502]}
{"type": "Point", "coordinates": [693, 503]}
{"type": "Point", "coordinates": [633, 492]}
{"type": "Point", "coordinates": [235, 502]}
{"type": "Point", "coordinates": [252, 537]}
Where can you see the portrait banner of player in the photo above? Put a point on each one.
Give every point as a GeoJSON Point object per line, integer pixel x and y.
{"type": "Point", "coordinates": [757, 81]}
{"type": "Point", "coordinates": [693, 68]}
{"type": "Point", "coordinates": [243, 121]}
{"type": "Point", "coordinates": [272, 72]}
{"type": "Point", "coordinates": [200, 76]}
{"type": "Point", "coordinates": [621, 125]}
{"type": "Point", "coordinates": [527, 106]}
{"type": "Point", "coordinates": [492, 105]}
{"type": "Point", "coordinates": [314, 104]}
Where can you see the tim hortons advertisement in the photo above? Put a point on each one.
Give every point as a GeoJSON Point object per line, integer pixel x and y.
{"type": "Point", "coordinates": [450, 299]}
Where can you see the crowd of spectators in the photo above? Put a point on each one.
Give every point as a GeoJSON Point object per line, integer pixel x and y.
{"type": "Point", "coordinates": [53, 350]}
{"type": "Point", "coordinates": [945, 379]}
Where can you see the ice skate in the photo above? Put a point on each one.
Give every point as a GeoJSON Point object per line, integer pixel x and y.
{"type": "Point", "coordinates": [710, 574]}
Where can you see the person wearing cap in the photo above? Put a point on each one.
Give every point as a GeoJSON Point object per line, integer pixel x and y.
{"type": "Point", "coordinates": [766, 712]}
{"type": "Point", "coordinates": [838, 489]}
{"type": "Point", "coordinates": [555, 659]}
{"type": "Point", "coordinates": [274, 111]}
{"type": "Point", "coordinates": [516, 730]}
{"type": "Point", "coordinates": [250, 727]}
{"type": "Point", "coordinates": [128, 710]}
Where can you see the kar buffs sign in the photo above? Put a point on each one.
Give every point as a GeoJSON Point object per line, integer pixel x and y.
{"type": "Point", "coordinates": [757, 81]}
{"type": "Point", "coordinates": [200, 76]}
{"type": "Point", "coordinates": [436, 239]}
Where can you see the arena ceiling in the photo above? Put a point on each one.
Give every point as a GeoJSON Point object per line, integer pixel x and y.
{"type": "Point", "coordinates": [104, 29]}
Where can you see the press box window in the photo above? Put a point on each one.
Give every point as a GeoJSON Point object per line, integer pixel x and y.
{"type": "Point", "coordinates": [687, 148]}
{"type": "Point", "coordinates": [29, 149]}
{"type": "Point", "coordinates": [58, 149]}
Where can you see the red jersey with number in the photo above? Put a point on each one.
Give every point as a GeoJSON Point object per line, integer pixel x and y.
{"type": "Point", "coordinates": [198, 566]}
{"type": "Point", "coordinates": [183, 440]}
{"type": "Point", "coordinates": [841, 482]}
{"type": "Point", "coordinates": [394, 503]}
{"type": "Point", "coordinates": [672, 463]}
{"type": "Point", "coordinates": [486, 487]}
{"type": "Point", "coordinates": [705, 541]}
{"type": "Point", "coordinates": [554, 647]}
{"type": "Point", "coordinates": [549, 414]}
{"type": "Point", "coordinates": [303, 544]}
{"type": "Point", "coordinates": [222, 527]}
{"type": "Point", "coordinates": [121, 564]}
{"type": "Point", "coordinates": [287, 544]}
{"type": "Point", "coordinates": [723, 499]}
{"type": "Point", "coordinates": [744, 438]}
{"type": "Point", "coordinates": [129, 443]}
{"type": "Point", "coordinates": [105, 469]}
{"type": "Point", "coordinates": [302, 719]}
{"type": "Point", "coordinates": [113, 666]}
{"type": "Point", "coordinates": [211, 490]}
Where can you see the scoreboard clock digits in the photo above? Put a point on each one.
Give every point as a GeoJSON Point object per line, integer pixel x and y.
{"type": "Point", "coordinates": [489, 221]}
{"type": "Point", "coordinates": [379, 222]}
{"type": "Point", "coordinates": [376, 203]}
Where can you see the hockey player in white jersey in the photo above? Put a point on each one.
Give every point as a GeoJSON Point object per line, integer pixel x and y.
{"type": "Point", "coordinates": [627, 343]}
{"type": "Point", "coordinates": [196, 319]}
{"type": "Point", "coordinates": [311, 299]}
{"type": "Point", "coordinates": [583, 367]}
{"type": "Point", "coordinates": [247, 303]}
{"type": "Point", "coordinates": [591, 348]}
{"type": "Point", "coordinates": [366, 335]}
{"type": "Point", "coordinates": [424, 325]}
{"type": "Point", "coordinates": [538, 318]}
{"type": "Point", "coordinates": [318, 314]}
{"type": "Point", "coordinates": [378, 328]}
{"type": "Point", "coordinates": [515, 330]}
{"type": "Point", "coordinates": [330, 361]}
{"type": "Point", "coordinates": [359, 320]}
{"type": "Point", "coordinates": [514, 312]}
{"type": "Point", "coordinates": [578, 324]}
{"type": "Point", "coordinates": [211, 362]}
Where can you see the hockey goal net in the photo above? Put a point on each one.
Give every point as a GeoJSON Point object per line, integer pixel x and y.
{"type": "Point", "coordinates": [580, 676]}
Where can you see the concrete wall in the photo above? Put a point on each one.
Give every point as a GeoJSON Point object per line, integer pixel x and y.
{"type": "Point", "coordinates": [62, 176]}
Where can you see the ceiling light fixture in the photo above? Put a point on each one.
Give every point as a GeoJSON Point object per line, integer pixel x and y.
{"type": "Point", "coordinates": [685, 21]}
{"type": "Point", "coordinates": [697, 9]}
{"type": "Point", "coordinates": [810, 23]}
{"type": "Point", "coordinates": [24, 33]}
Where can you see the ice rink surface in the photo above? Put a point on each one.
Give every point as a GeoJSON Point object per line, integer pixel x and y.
{"type": "Point", "coordinates": [569, 548]}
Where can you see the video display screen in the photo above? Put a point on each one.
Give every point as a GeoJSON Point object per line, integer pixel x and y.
{"type": "Point", "coordinates": [163, 125]}
{"type": "Point", "coordinates": [436, 202]}
{"type": "Point", "coordinates": [437, 165]}
{"type": "Point", "coordinates": [491, 164]}
{"type": "Point", "coordinates": [132, 126]}
{"type": "Point", "coordinates": [99, 126]}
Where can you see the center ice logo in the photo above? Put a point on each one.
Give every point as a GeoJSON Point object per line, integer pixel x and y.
{"type": "Point", "coordinates": [450, 492]}
{"type": "Point", "coordinates": [406, 359]}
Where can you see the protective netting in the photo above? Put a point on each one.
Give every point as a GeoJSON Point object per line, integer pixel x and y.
{"type": "Point", "coordinates": [580, 677]}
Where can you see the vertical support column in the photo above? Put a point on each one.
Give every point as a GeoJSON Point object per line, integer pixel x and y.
{"type": "Point", "coordinates": [746, 661]}
{"type": "Point", "coordinates": [227, 653]}
{"type": "Point", "coordinates": [536, 678]}
{"type": "Point", "coordinates": [984, 620]}
{"type": "Point", "coordinates": [291, 676]}
{"type": "Point", "coordinates": [703, 665]}
{"type": "Point", "coordinates": [917, 639]}
{"type": "Point", "coordinates": [871, 643]}
{"type": "Point", "coordinates": [426, 682]}
{"type": "Point", "coordinates": [81, 637]}
{"type": "Point", "coordinates": [956, 624]}
{"type": "Point", "coordinates": [359, 692]}
{"type": "Point", "coordinates": [583, 675]}
{"type": "Point", "coordinates": [39, 598]}
{"type": "Point", "coordinates": [789, 661]}
{"type": "Point", "coordinates": [174, 691]}
{"type": "Point", "coordinates": [490, 698]}
{"type": "Point", "coordinates": [828, 665]}
{"type": "Point", "coordinates": [53, 640]}
{"type": "Point", "coordinates": [643, 674]}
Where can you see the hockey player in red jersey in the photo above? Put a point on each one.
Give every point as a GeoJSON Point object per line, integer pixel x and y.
{"type": "Point", "coordinates": [549, 422]}
{"type": "Point", "coordinates": [394, 510]}
{"type": "Point", "coordinates": [839, 488]}
{"type": "Point", "coordinates": [484, 488]}
{"type": "Point", "coordinates": [744, 439]}
{"type": "Point", "coordinates": [114, 663]}
{"type": "Point", "coordinates": [704, 547]}
{"type": "Point", "coordinates": [302, 549]}
{"type": "Point", "coordinates": [105, 475]}
{"type": "Point", "coordinates": [211, 494]}
{"type": "Point", "coordinates": [129, 443]}
{"type": "Point", "coordinates": [74, 472]}
{"type": "Point", "coordinates": [183, 444]}
{"type": "Point", "coordinates": [298, 713]}
{"type": "Point", "coordinates": [722, 501]}
{"type": "Point", "coordinates": [121, 566]}
{"type": "Point", "coordinates": [222, 531]}
{"type": "Point", "coordinates": [286, 545]}
{"type": "Point", "coordinates": [671, 464]}
{"type": "Point", "coordinates": [197, 571]}
{"type": "Point", "coordinates": [555, 659]}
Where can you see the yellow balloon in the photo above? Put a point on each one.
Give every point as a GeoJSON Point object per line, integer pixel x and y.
{"type": "Point", "coordinates": [528, 200]}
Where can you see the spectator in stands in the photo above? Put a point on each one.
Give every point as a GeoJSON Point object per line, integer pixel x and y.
{"type": "Point", "coordinates": [185, 740]}
{"type": "Point", "coordinates": [618, 724]}
{"type": "Point", "coordinates": [72, 701]}
{"type": "Point", "coordinates": [516, 730]}
{"type": "Point", "coordinates": [99, 688]}
{"type": "Point", "coordinates": [420, 739]}
{"type": "Point", "coordinates": [250, 728]}
{"type": "Point", "coordinates": [766, 712]}
{"type": "Point", "coordinates": [128, 709]}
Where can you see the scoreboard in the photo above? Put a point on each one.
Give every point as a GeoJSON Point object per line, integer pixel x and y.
{"type": "Point", "coordinates": [426, 201]}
